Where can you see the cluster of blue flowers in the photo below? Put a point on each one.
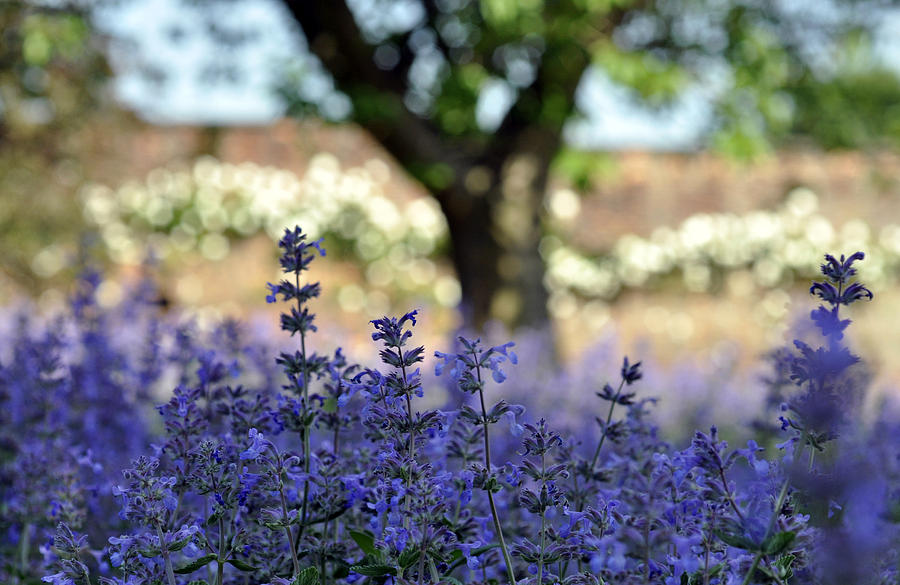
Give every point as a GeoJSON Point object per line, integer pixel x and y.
{"type": "Point", "coordinates": [310, 469]}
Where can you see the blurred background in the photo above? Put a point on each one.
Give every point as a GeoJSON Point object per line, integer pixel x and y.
{"type": "Point", "coordinates": [665, 173]}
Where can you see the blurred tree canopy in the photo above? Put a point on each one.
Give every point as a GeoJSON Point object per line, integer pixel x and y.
{"type": "Point", "coordinates": [856, 107]}
{"type": "Point", "coordinates": [472, 97]}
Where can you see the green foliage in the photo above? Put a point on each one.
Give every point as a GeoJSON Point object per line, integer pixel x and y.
{"type": "Point", "coordinates": [241, 565]}
{"type": "Point", "coordinates": [52, 77]}
{"type": "Point", "coordinates": [197, 564]}
{"type": "Point", "coordinates": [374, 570]}
{"type": "Point", "coordinates": [654, 79]}
{"type": "Point", "coordinates": [408, 557]}
{"type": "Point", "coordinates": [365, 541]}
{"type": "Point", "coordinates": [308, 576]}
{"type": "Point", "coordinates": [855, 109]}
{"type": "Point", "coordinates": [779, 542]}
{"type": "Point", "coordinates": [583, 169]}
{"type": "Point", "coordinates": [51, 67]}
{"type": "Point", "coordinates": [45, 37]}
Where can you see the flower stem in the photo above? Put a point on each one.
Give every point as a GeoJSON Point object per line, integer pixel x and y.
{"type": "Point", "coordinates": [221, 553]}
{"type": "Point", "coordinates": [24, 549]}
{"type": "Point", "coordinates": [540, 574]}
{"type": "Point", "coordinates": [287, 530]}
{"type": "Point", "coordinates": [307, 429]}
{"type": "Point", "coordinates": [487, 463]}
{"type": "Point", "coordinates": [759, 555]}
{"type": "Point", "coordinates": [612, 405]}
{"type": "Point", "coordinates": [412, 439]}
{"type": "Point", "coordinates": [170, 571]}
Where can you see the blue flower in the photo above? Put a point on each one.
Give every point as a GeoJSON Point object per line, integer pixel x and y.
{"type": "Point", "coordinates": [575, 522]}
{"type": "Point", "coordinates": [258, 444]}
{"type": "Point", "coordinates": [840, 270]}
{"type": "Point", "coordinates": [391, 330]}
{"type": "Point", "coordinates": [58, 579]}
{"type": "Point", "coordinates": [631, 373]}
{"type": "Point", "coordinates": [510, 415]}
{"type": "Point", "coordinates": [466, 548]}
{"type": "Point", "coordinates": [506, 351]}
{"type": "Point", "coordinates": [446, 360]}
{"type": "Point", "coordinates": [496, 373]}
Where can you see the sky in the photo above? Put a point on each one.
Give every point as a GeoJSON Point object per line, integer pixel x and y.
{"type": "Point", "coordinates": [613, 119]}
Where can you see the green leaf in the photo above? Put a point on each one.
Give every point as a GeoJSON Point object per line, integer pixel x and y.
{"type": "Point", "coordinates": [341, 571]}
{"type": "Point", "coordinates": [197, 564]}
{"type": "Point", "coordinates": [150, 552]}
{"type": "Point", "coordinates": [241, 565]}
{"type": "Point", "coordinates": [180, 544]}
{"type": "Point", "coordinates": [698, 576]}
{"type": "Point", "coordinates": [784, 566]}
{"type": "Point", "coordinates": [408, 557]}
{"type": "Point", "coordinates": [777, 543]}
{"type": "Point", "coordinates": [365, 541]}
{"type": "Point", "coordinates": [198, 582]}
{"type": "Point", "coordinates": [308, 576]}
{"type": "Point", "coordinates": [214, 517]}
{"type": "Point", "coordinates": [492, 485]}
{"type": "Point", "coordinates": [737, 540]}
{"type": "Point", "coordinates": [374, 570]}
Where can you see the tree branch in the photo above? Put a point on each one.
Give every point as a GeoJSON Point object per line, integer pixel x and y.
{"type": "Point", "coordinates": [335, 38]}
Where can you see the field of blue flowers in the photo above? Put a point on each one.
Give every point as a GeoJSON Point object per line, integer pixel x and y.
{"type": "Point", "coordinates": [301, 467]}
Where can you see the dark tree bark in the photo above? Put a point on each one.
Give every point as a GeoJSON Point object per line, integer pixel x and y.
{"type": "Point", "coordinates": [493, 193]}
{"type": "Point", "coordinates": [493, 208]}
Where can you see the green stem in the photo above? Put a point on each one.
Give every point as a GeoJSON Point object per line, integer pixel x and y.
{"type": "Point", "coordinates": [759, 555]}
{"type": "Point", "coordinates": [307, 429]}
{"type": "Point", "coordinates": [220, 554]}
{"type": "Point", "coordinates": [288, 531]}
{"type": "Point", "coordinates": [728, 495]}
{"type": "Point", "coordinates": [209, 568]}
{"type": "Point", "coordinates": [487, 463]}
{"type": "Point", "coordinates": [24, 550]}
{"type": "Point", "coordinates": [647, 551]}
{"type": "Point", "coordinates": [435, 577]}
{"type": "Point", "coordinates": [422, 562]}
{"type": "Point", "coordinates": [170, 571]}
{"type": "Point", "coordinates": [707, 541]}
{"type": "Point", "coordinates": [412, 439]}
{"type": "Point", "coordinates": [337, 429]}
{"type": "Point", "coordinates": [540, 574]}
{"type": "Point", "coordinates": [612, 406]}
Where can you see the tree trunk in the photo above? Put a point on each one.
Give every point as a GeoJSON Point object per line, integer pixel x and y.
{"type": "Point", "coordinates": [494, 214]}
{"type": "Point", "coordinates": [493, 200]}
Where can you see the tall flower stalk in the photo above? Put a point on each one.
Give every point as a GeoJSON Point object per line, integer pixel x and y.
{"type": "Point", "coordinates": [818, 414]}
{"type": "Point", "coordinates": [537, 445]}
{"type": "Point", "coordinates": [296, 256]}
{"type": "Point", "coordinates": [466, 371]}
